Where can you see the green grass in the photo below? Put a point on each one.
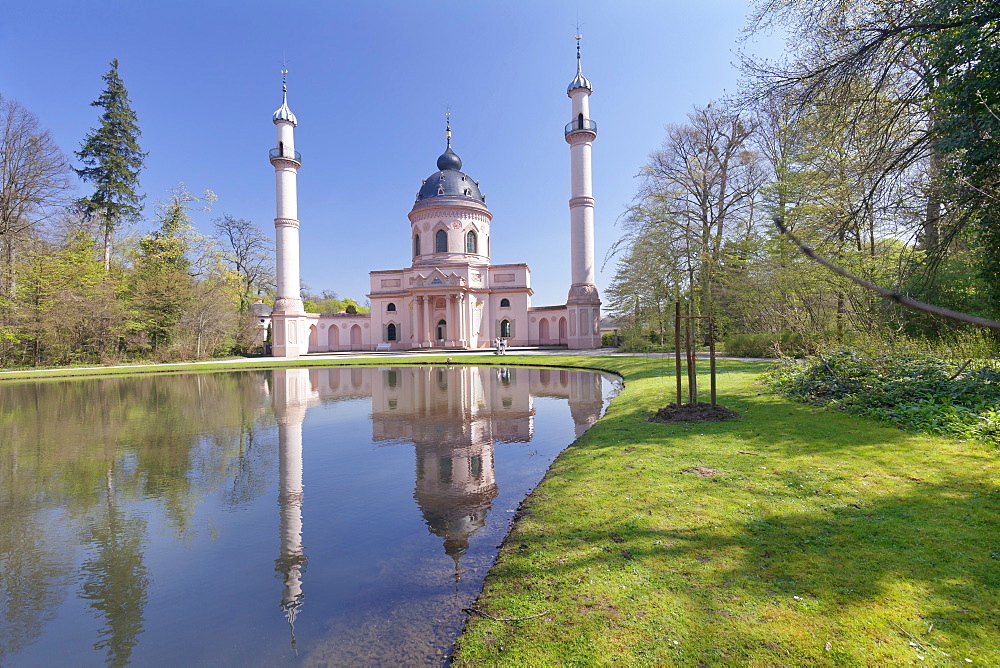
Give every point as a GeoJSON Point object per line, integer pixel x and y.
{"type": "Point", "coordinates": [823, 539]}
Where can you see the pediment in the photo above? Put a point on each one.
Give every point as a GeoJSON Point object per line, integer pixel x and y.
{"type": "Point", "coordinates": [436, 277]}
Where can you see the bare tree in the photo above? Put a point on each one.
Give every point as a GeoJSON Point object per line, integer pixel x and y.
{"type": "Point", "coordinates": [249, 252]}
{"type": "Point", "coordinates": [34, 182]}
{"type": "Point", "coordinates": [702, 184]}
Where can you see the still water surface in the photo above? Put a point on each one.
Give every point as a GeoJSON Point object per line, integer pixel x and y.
{"type": "Point", "coordinates": [339, 516]}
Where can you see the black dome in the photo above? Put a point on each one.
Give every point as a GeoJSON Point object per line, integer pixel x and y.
{"type": "Point", "coordinates": [448, 181]}
{"type": "Point", "coordinates": [449, 160]}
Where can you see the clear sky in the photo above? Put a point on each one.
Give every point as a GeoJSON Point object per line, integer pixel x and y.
{"type": "Point", "coordinates": [370, 82]}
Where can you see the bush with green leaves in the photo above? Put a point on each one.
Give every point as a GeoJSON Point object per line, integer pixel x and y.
{"type": "Point", "coordinates": [915, 392]}
{"type": "Point", "coordinates": [773, 344]}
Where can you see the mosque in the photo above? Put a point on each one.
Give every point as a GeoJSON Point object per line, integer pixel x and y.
{"type": "Point", "coordinates": [451, 296]}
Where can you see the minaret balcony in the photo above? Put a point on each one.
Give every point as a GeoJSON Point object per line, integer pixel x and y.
{"type": "Point", "coordinates": [581, 125]}
{"type": "Point", "coordinates": [284, 154]}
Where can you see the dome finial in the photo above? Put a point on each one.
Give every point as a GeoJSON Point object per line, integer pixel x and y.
{"type": "Point", "coordinates": [284, 113]}
{"type": "Point", "coordinates": [579, 81]}
{"type": "Point", "coordinates": [448, 159]}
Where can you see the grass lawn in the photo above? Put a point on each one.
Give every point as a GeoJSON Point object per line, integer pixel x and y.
{"type": "Point", "coordinates": [821, 539]}
{"type": "Point", "coordinates": [816, 538]}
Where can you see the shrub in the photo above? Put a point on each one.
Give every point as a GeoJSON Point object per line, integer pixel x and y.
{"type": "Point", "coordinates": [915, 392]}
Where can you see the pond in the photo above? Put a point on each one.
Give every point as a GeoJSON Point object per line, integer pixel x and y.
{"type": "Point", "coordinates": [331, 516]}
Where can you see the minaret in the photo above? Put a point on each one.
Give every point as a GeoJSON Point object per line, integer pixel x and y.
{"type": "Point", "coordinates": [583, 304]}
{"type": "Point", "coordinates": [290, 328]}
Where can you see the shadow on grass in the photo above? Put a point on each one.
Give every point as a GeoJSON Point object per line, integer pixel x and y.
{"type": "Point", "coordinates": [933, 550]}
{"type": "Point", "coordinates": [769, 425]}
{"type": "Point", "coordinates": [889, 547]}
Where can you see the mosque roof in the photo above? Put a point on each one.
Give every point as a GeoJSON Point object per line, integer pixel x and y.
{"type": "Point", "coordinates": [449, 180]}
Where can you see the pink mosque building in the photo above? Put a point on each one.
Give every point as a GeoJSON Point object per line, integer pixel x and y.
{"type": "Point", "coordinates": [451, 296]}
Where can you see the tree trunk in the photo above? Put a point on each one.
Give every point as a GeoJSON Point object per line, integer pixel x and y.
{"type": "Point", "coordinates": [107, 249]}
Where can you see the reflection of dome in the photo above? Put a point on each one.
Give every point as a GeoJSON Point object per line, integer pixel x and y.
{"type": "Point", "coordinates": [457, 523]}
{"type": "Point", "coordinates": [455, 490]}
{"type": "Point", "coordinates": [448, 181]}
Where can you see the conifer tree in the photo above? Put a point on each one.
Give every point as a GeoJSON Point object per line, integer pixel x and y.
{"type": "Point", "coordinates": [112, 160]}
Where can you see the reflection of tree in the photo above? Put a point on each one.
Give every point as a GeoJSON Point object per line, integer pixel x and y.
{"type": "Point", "coordinates": [171, 440]}
{"type": "Point", "coordinates": [251, 466]}
{"type": "Point", "coordinates": [177, 434]}
{"type": "Point", "coordinates": [114, 579]}
{"type": "Point", "coordinates": [32, 575]}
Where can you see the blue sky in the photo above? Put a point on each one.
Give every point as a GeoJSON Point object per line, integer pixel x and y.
{"type": "Point", "coordinates": [370, 83]}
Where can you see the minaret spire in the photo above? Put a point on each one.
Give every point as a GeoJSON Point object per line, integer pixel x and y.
{"type": "Point", "coordinates": [284, 113]}
{"type": "Point", "coordinates": [447, 127]}
{"type": "Point", "coordinates": [579, 81]}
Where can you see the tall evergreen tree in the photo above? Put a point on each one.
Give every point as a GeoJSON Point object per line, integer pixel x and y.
{"type": "Point", "coordinates": [113, 160]}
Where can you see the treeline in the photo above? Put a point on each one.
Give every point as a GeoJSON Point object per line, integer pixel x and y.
{"type": "Point", "coordinates": [876, 140]}
{"type": "Point", "coordinates": [328, 302]}
{"type": "Point", "coordinates": [79, 286]}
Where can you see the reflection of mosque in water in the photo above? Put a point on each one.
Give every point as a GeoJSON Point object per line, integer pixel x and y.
{"type": "Point", "coordinates": [452, 415]}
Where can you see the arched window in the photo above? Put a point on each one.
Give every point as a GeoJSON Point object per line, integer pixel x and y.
{"type": "Point", "coordinates": [579, 121]}
{"type": "Point", "coordinates": [441, 242]}
{"type": "Point", "coordinates": [504, 303]}
{"type": "Point", "coordinates": [442, 330]}
{"type": "Point", "coordinates": [470, 242]}
{"type": "Point", "coordinates": [416, 245]}
{"type": "Point", "coordinates": [505, 329]}
{"type": "Point", "coordinates": [390, 307]}
{"type": "Point", "coordinates": [390, 332]}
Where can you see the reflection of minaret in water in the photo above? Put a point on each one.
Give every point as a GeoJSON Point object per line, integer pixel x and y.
{"type": "Point", "coordinates": [292, 392]}
{"type": "Point", "coordinates": [586, 400]}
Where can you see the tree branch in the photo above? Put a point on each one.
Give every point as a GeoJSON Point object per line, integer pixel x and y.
{"type": "Point", "coordinates": [887, 294]}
